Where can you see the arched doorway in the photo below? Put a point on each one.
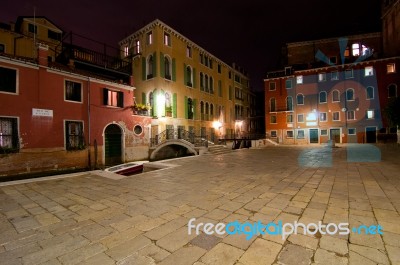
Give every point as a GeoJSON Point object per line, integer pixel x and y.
{"type": "Point", "coordinates": [113, 145]}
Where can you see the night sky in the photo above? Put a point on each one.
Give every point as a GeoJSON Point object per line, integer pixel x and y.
{"type": "Point", "coordinates": [249, 33]}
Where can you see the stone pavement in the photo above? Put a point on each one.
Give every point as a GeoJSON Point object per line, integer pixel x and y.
{"type": "Point", "coordinates": [93, 218]}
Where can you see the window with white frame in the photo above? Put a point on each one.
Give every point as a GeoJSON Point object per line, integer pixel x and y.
{"type": "Point", "coordinates": [289, 103]}
{"type": "Point", "coordinates": [288, 83]}
{"type": "Point", "coordinates": [289, 118]}
{"type": "Point", "coordinates": [74, 139]}
{"type": "Point", "coordinates": [322, 77]}
{"type": "Point", "coordinates": [322, 117]}
{"type": "Point", "coordinates": [272, 86]}
{"type": "Point", "coordinates": [370, 114]}
{"type": "Point", "coordinates": [369, 71]}
{"type": "Point", "coordinates": [336, 116]}
{"type": "Point", "coordinates": [324, 132]}
{"type": "Point", "coordinates": [273, 119]}
{"type": "Point", "coordinates": [9, 138]}
{"type": "Point", "coordinates": [299, 79]}
{"type": "Point", "coordinates": [73, 91]}
{"type": "Point", "coordinates": [300, 118]}
{"type": "Point", "coordinates": [300, 134]}
{"type": "Point", "coordinates": [189, 51]}
{"type": "Point", "coordinates": [272, 105]}
{"type": "Point", "coordinates": [289, 134]}
{"type": "Point", "coordinates": [167, 39]}
{"type": "Point", "coordinates": [149, 38]}
{"type": "Point", "coordinates": [300, 99]}
{"type": "Point", "coordinates": [273, 134]}
{"type": "Point", "coordinates": [335, 96]}
{"type": "Point", "coordinates": [350, 94]}
{"type": "Point", "coordinates": [335, 75]}
{"type": "Point", "coordinates": [391, 68]}
{"type": "Point", "coordinates": [322, 97]}
{"type": "Point", "coordinates": [113, 98]}
{"type": "Point", "coordinates": [351, 131]}
{"type": "Point", "coordinates": [370, 92]}
{"type": "Point", "coordinates": [355, 48]}
{"type": "Point", "coordinates": [8, 80]}
{"type": "Point", "coordinates": [351, 115]}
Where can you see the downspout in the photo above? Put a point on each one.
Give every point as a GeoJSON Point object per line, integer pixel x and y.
{"type": "Point", "coordinates": [89, 125]}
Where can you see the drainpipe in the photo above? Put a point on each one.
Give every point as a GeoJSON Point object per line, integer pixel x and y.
{"type": "Point", "coordinates": [89, 125]}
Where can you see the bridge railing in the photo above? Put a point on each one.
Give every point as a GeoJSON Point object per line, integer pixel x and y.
{"type": "Point", "coordinates": [170, 134]}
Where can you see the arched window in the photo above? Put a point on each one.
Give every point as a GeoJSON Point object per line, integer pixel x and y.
{"type": "Point", "coordinates": [167, 67]}
{"type": "Point", "coordinates": [150, 67]}
{"type": "Point", "coordinates": [201, 81]}
{"type": "Point", "coordinates": [335, 96]}
{"type": "Point", "coordinates": [370, 92]}
{"type": "Point", "coordinates": [392, 91]}
{"type": "Point", "coordinates": [167, 100]}
{"type": "Point", "coordinates": [322, 97]}
{"type": "Point", "coordinates": [272, 105]}
{"type": "Point", "coordinates": [350, 94]}
{"type": "Point", "coordinates": [289, 103]}
{"type": "Point", "coordinates": [300, 99]}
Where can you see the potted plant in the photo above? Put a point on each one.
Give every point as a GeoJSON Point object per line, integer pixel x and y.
{"type": "Point", "coordinates": [141, 109]}
{"type": "Point", "coordinates": [168, 111]}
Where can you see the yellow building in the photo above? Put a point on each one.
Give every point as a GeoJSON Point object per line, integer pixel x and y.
{"type": "Point", "coordinates": [188, 88]}
{"type": "Point", "coordinates": [19, 39]}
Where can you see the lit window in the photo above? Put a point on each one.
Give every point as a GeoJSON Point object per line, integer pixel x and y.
{"type": "Point", "coordinates": [370, 92]}
{"type": "Point", "coordinates": [288, 83]}
{"type": "Point", "coordinates": [136, 47]}
{"type": "Point", "coordinates": [273, 134]}
{"type": "Point", "coordinates": [370, 114]}
{"type": "Point", "coordinates": [350, 94]}
{"type": "Point", "coordinates": [348, 73]}
{"type": "Point", "coordinates": [335, 75]}
{"type": "Point", "coordinates": [189, 51]}
{"type": "Point", "coordinates": [336, 116]}
{"type": "Point", "coordinates": [369, 71]}
{"type": "Point", "coordinates": [322, 116]}
{"type": "Point", "coordinates": [391, 68]}
{"type": "Point", "coordinates": [322, 77]}
{"type": "Point", "coordinates": [273, 118]}
{"type": "Point", "coordinates": [324, 132]}
{"type": "Point", "coordinates": [289, 134]}
{"type": "Point", "coordinates": [352, 131]}
{"type": "Point", "coordinates": [322, 97]}
{"type": "Point", "coordinates": [126, 51]}
{"type": "Point", "coordinates": [355, 49]}
{"type": "Point", "coordinates": [335, 96]}
{"type": "Point", "coordinates": [167, 39]}
{"type": "Point", "coordinates": [300, 134]}
{"type": "Point", "coordinates": [272, 86]}
{"type": "Point", "coordinates": [149, 38]}
{"type": "Point", "coordinates": [351, 115]}
{"type": "Point", "coordinates": [300, 117]}
{"type": "Point", "coordinates": [73, 91]}
{"type": "Point", "coordinates": [113, 98]}
{"type": "Point", "coordinates": [299, 79]}
{"type": "Point", "coordinates": [300, 99]}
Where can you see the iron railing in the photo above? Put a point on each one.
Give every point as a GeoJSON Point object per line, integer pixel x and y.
{"type": "Point", "coordinates": [180, 134]}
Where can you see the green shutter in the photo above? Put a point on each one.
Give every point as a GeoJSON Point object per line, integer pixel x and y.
{"type": "Point", "coordinates": [194, 77]}
{"type": "Point", "coordinates": [194, 108]}
{"type": "Point", "coordinates": [173, 70]}
{"type": "Point", "coordinates": [143, 98]}
{"type": "Point", "coordinates": [184, 74]}
{"type": "Point", "coordinates": [155, 96]}
{"type": "Point", "coordinates": [186, 107]}
{"type": "Point", "coordinates": [143, 68]}
{"type": "Point", "coordinates": [162, 65]}
{"type": "Point", "coordinates": [154, 64]}
{"type": "Point", "coordinates": [174, 105]}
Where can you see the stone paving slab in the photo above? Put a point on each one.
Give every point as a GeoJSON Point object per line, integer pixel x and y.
{"type": "Point", "coordinates": [98, 218]}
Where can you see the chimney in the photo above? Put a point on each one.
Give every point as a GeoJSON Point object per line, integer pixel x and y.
{"type": "Point", "coordinates": [43, 51]}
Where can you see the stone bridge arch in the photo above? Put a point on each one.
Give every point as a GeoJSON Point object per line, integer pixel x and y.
{"type": "Point", "coordinates": [180, 142]}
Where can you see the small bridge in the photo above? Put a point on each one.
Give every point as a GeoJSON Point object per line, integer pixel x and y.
{"type": "Point", "coordinates": [176, 143]}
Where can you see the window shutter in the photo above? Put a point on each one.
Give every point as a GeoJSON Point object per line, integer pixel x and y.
{"type": "Point", "coordinates": [173, 70]}
{"type": "Point", "coordinates": [162, 65]}
{"type": "Point", "coordinates": [143, 98]}
{"type": "Point", "coordinates": [194, 108]}
{"type": "Point", "coordinates": [105, 96]}
{"type": "Point", "coordinates": [174, 105]}
{"type": "Point", "coordinates": [14, 130]}
{"type": "Point", "coordinates": [154, 64]}
{"type": "Point", "coordinates": [186, 107]}
{"type": "Point", "coordinates": [155, 109]}
{"type": "Point", "coordinates": [184, 75]}
{"type": "Point", "coordinates": [143, 68]}
{"type": "Point", "coordinates": [120, 99]}
{"type": "Point", "coordinates": [194, 77]}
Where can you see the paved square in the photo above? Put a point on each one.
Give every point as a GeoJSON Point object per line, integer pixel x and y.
{"type": "Point", "coordinates": [92, 218]}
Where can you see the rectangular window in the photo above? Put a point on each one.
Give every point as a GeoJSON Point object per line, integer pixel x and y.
{"type": "Point", "coordinates": [73, 91]}
{"type": "Point", "coordinates": [369, 71]}
{"type": "Point", "coordinates": [9, 139]}
{"type": "Point", "coordinates": [322, 116]}
{"type": "Point", "coordinates": [273, 134]}
{"type": "Point", "coordinates": [136, 47]}
{"type": "Point", "coordinates": [289, 134]}
{"type": "Point", "coordinates": [333, 59]}
{"type": "Point", "coordinates": [370, 114]}
{"type": "Point", "coordinates": [321, 77]}
{"type": "Point", "coordinates": [288, 83]}
{"type": "Point", "coordinates": [351, 131]}
{"type": "Point", "coordinates": [324, 132]}
{"type": "Point", "coordinates": [391, 68]}
{"type": "Point", "coordinates": [299, 79]}
{"type": "Point", "coordinates": [335, 75]}
{"type": "Point", "coordinates": [272, 86]}
{"type": "Point", "coordinates": [8, 80]}
{"type": "Point", "coordinates": [351, 115]}
{"type": "Point", "coordinates": [189, 51]}
{"type": "Point", "coordinates": [273, 119]}
{"type": "Point", "coordinates": [2, 48]}
{"type": "Point", "coordinates": [300, 117]}
{"type": "Point", "coordinates": [167, 39]}
{"type": "Point", "coordinates": [289, 118]}
{"type": "Point", "coordinates": [219, 68]}
{"type": "Point", "coordinates": [300, 134]}
{"type": "Point", "coordinates": [113, 98]}
{"type": "Point", "coordinates": [126, 51]}
{"type": "Point", "coordinates": [336, 116]}
{"type": "Point", "coordinates": [149, 38]}
{"type": "Point", "coordinates": [220, 88]}
{"type": "Point", "coordinates": [53, 35]}
{"type": "Point", "coordinates": [370, 92]}
{"type": "Point", "coordinates": [32, 28]}
{"type": "Point", "coordinates": [74, 135]}
{"type": "Point", "coordinates": [348, 74]}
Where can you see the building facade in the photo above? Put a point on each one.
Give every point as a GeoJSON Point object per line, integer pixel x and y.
{"type": "Point", "coordinates": [391, 27]}
{"type": "Point", "coordinates": [331, 89]}
{"type": "Point", "coordinates": [188, 88]}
